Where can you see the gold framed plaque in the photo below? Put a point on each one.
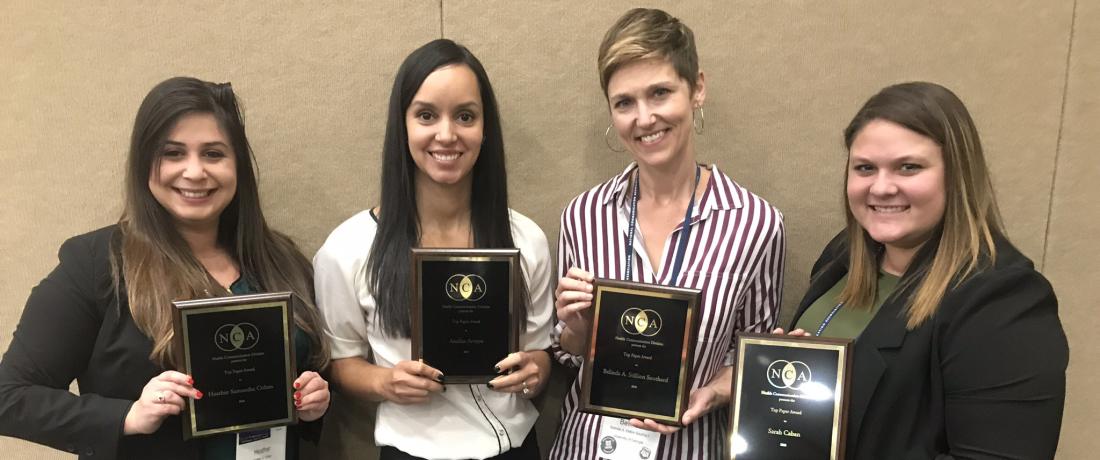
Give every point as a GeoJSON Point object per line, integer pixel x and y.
{"type": "Point", "coordinates": [464, 310]}
{"type": "Point", "coordinates": [789, 398]}
{"type": "Point", "coordinates": [638, 354]}
{"type": "Point", "coordinates": [240, 352]}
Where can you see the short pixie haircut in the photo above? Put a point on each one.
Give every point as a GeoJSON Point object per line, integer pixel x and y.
{"type": "Point", "coordinates": [644, 33]}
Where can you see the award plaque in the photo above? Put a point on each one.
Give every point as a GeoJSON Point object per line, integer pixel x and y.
{"type": "Point", "coordinates": [789, 398]}
{"type": "Point", "coordinates": [240, 351]}
{"type": "Point", "coordinates": [638, 355]}
{"type": "Point", "coordinates": [463, 311]}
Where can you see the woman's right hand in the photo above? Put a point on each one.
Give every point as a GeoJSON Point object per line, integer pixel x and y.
{"type": "Point", "coordinates": [412, 382]}
{"type": "Point", "coordinates": [162, 396]}
{"type": "Point", "coordinates": [797, 332]}
{"type": "Point", "coordinates": [573, 298]}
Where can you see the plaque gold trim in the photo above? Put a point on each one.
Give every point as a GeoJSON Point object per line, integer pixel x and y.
{"type": "Point", "coordinates": [840, 387]}
{"type": "Point", "coordinates": [416, 312]}
{"type": "Point", "coordinates": [687, 348]}
{"type": "Point", "coordinates": [185, 309]}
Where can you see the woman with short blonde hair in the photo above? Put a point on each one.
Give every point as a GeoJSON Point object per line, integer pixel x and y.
{"type": "Point", "coordinates": [668, 220]}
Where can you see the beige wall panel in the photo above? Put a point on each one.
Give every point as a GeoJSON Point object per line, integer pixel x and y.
{"type": "Point", "coordinates": [1072, 261]}
{"type": "Point", "coordinates": [784, 78]}
{"type": "Point", "coordinates": [314, 78]}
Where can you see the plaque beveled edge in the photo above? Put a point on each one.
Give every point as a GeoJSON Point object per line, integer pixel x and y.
{"type": "Point", "coordinates": [183, 308]}
{"type": "Point", "coordinates": [511, 255]}
{"type": "Point", "coordinates": [843, 347]}
{"type": "Point", "coordinates": [691, 325]}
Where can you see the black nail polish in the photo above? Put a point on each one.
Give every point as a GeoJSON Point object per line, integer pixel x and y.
{"type": "Point", "coordinates": [439, 379]}
{"type": "Point", "coordinates": [496, 368]}
{"type": "Point", "coordinates": [490, 384]}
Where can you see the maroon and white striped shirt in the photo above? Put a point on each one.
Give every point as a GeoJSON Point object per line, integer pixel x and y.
{"type": "Point", "coordinates": [734, 255]}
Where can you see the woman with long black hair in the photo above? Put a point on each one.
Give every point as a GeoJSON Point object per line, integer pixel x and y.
{"type": "Point", "coordinates": [443, 185]}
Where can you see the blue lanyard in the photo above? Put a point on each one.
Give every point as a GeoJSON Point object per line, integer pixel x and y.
{"type": "Point", "coordinates": [685, 229]}
{"type": "Point", "coordinates": [828, 318]}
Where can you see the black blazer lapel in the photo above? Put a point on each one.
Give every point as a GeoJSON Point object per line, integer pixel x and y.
{"type": "Point", "coordinates": [885, 331]}
{"type": "Point", "coordinates": [819, 285]}
{"type": "Point", "coordinates": [869, 361]}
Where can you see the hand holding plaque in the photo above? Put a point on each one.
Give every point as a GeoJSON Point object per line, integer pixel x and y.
{"type": "Point", "coordinates": [240, 351]}
{"type": "Point", "coordinates": [789, 397]}
{"type": "Point", "coordinates": [638, 357]}
{"type": "Point", "coordinates": [463, 311]}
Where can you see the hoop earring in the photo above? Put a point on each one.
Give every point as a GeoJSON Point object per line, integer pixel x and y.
{"type": "Point", "coordinates": [698, 123]}
{"type": "Point", "coordinates": [607, 141]}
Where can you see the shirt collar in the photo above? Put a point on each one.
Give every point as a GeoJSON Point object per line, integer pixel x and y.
{"type": "Point", "coordinates": [721, 193]}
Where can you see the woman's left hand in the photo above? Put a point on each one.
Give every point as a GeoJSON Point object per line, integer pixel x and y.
{"type": "Point", "coordinates": [701, 401]}
{"type": "Point", "coordinates": [529, 370]}
{"type": "Point", "coordinates": [311, 396]}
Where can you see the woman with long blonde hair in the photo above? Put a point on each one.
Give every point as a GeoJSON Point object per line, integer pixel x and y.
{"type": "Point", "coordinates": [959, 352]}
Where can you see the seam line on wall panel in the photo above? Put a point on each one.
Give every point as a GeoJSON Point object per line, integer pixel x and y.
{"type": "Point", "coordinates": [1061, 128]}
{"type": "Point", "coordinates": [441, 34]}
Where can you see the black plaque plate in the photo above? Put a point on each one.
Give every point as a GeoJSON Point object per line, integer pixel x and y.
{"type": "Point", "coordinates": [240, 351]}
{"type": "Point", "coordinates": [789, 397]}
{"type": "Point", "coordinates": [463, 310]}
{"type": "Point", "coordinates": [638, 357]}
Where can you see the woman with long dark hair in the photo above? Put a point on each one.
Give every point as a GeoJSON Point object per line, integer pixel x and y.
{"type": "Point", "coordinates": [959, 352]}
{"type": "Point", "coordinates": [192, 228]}
{"type": "Point", "coordinates": [443, 185]}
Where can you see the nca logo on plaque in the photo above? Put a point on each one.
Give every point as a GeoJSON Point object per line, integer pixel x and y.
{"type": "Point", "coordinates": [234, 337]}
{"type": "Point", "coordinates": [465, 288]}
{"type": "Point", "coordinates": [784, 374]}
{"type": "Point", "coordinates": [636, 321]}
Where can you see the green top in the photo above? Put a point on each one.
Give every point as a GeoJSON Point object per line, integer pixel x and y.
{"type": "Point", "coordinates": [224, 446]}
{"type": "Point", "coordinates": [847, 323]}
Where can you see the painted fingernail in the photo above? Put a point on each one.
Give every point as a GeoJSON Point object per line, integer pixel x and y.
{"type": "Point", "coordinates": [198, 394]}
{"type": "Point", "coordinates": [439, 379]}
{"type": "Point", "coordinates": [297, 395]}
{"type": "Point", "coordinates": [497, 368]}
{"type": "Point", "coordinates": [297, 385]}
{"type": "Point", "coordinates": [490, 384]}
{"type": "Point", "coordinates": [297, 404]}
{"type": "Point", "coordinates": [190, 380]}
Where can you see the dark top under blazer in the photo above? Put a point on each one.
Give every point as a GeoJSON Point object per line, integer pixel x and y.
{"type": "Point", "coordinates": [983, 378]}
{"type": "Point", "coordinates": [75, 326]}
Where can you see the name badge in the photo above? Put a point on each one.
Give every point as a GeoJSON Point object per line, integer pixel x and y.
{"type": "Point", "coordinates": [620, 441]}
{"type": "Point", "coordinates": [262, 444]}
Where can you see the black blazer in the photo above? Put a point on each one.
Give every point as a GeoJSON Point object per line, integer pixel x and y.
{"type": "Point", "coordinates": [983, 378]}
{"type": "Point", "coordinates": [76, 326]}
